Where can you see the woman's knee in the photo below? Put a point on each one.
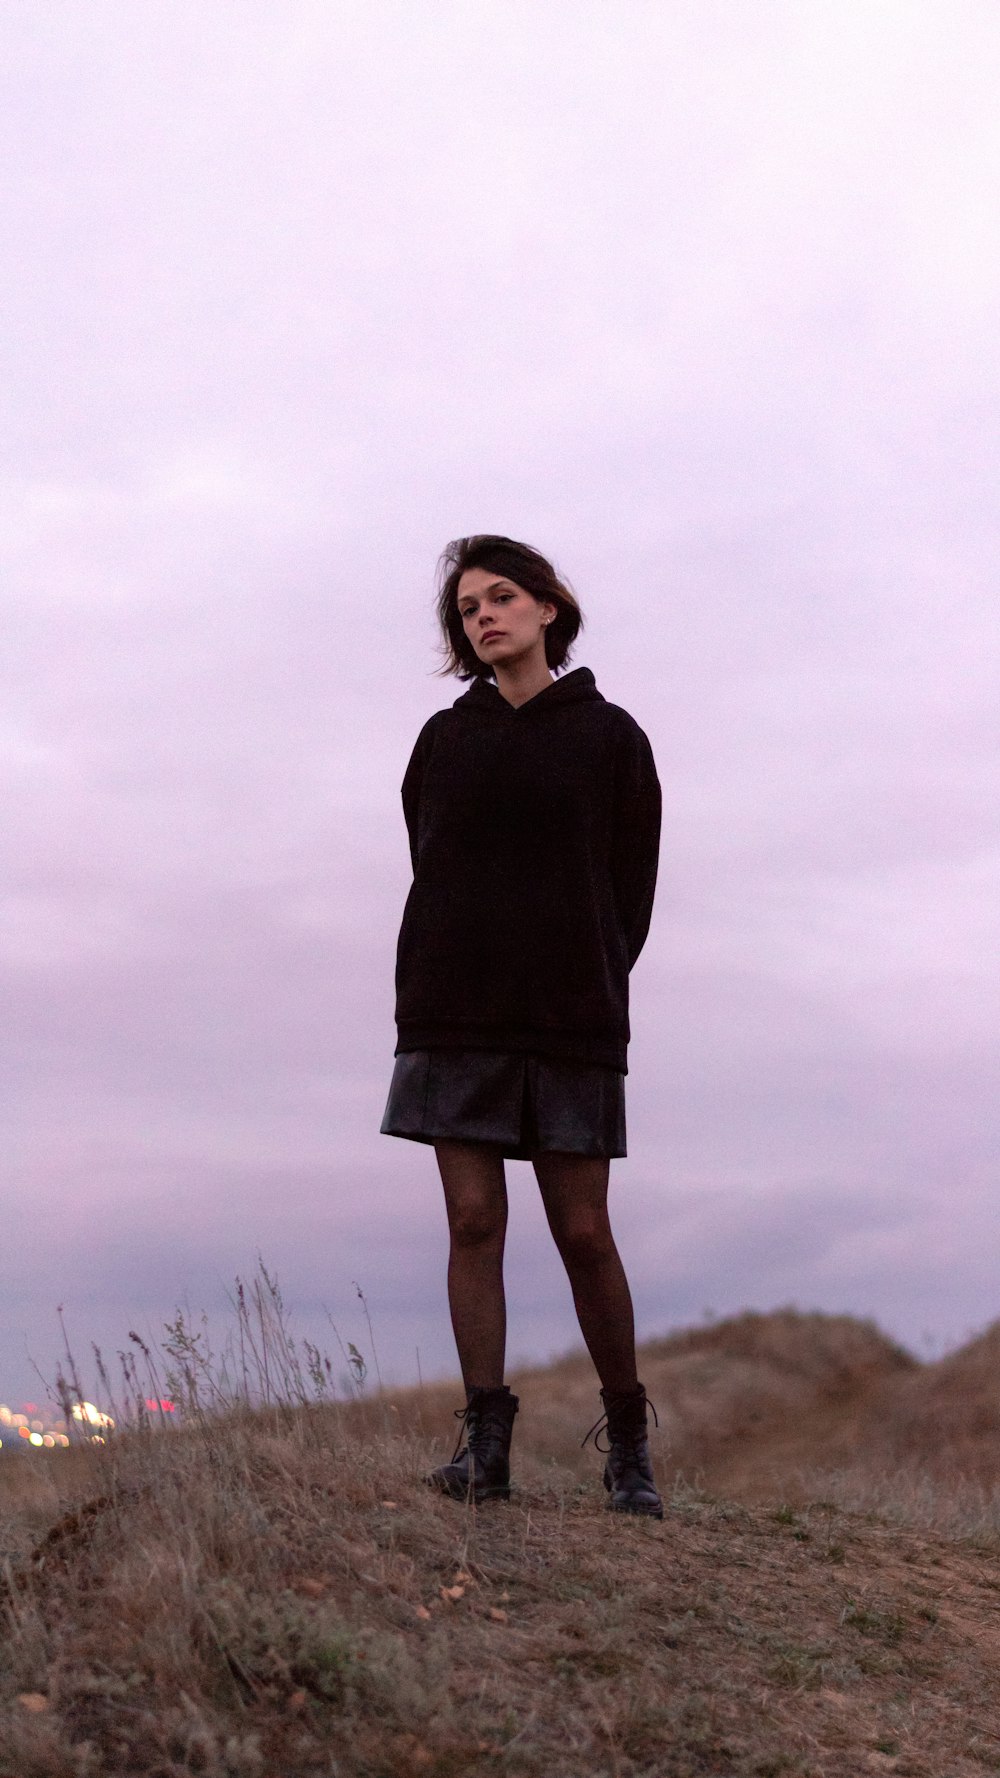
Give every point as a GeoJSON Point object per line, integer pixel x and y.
{"type": "Point", "coordinates": [476, 1222]}
{"type": "Point", "coordinates": [475, 1191]}
{"type": "Point", "coordinates": [584, 1240]}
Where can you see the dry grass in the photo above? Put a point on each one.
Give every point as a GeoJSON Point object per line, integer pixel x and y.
{"type": "Point", "coordinates": [268, 1592]}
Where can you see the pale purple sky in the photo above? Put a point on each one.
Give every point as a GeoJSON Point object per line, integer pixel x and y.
{"type": "Point", "coordinates": [700, 299]}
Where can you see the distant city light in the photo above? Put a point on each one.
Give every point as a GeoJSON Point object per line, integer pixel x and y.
{"type": "Point", "coordinates": [86, 1411]}
{"type": "Point", "coordinates": [50, 1434]}
{"type": "Point", "coordinates": [36, 1433]}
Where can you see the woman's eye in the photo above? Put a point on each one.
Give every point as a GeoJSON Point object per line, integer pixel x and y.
{"type": "Point", "coordinates": [470, 610]}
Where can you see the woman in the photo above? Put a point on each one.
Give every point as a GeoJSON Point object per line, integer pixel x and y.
{"type": "Point", "coordinates": [533, 812]}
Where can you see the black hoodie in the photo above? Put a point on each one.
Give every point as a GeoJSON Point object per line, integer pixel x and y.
{"type": "Point", "coordinates": [534, 835]}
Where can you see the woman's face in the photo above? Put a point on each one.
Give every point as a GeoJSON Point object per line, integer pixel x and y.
{"type": "Point", "coordinates": [502, 621]}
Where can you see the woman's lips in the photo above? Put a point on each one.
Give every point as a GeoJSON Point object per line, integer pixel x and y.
{"type": "Point", "coordinates": [492, 635]}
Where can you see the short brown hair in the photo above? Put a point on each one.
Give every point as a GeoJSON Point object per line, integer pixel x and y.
{"type": "Point", "coordinates": [517, 562]}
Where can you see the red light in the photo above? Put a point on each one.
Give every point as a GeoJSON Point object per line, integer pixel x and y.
{"type": "Point", "coordinates": [165, 1407]}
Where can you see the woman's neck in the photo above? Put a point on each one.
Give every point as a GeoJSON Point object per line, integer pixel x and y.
{"type": "Point", "coordinates": [521, 680]}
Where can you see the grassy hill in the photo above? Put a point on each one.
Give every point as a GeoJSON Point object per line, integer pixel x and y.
{"type": "Point", "coordinates": [273, 1593]}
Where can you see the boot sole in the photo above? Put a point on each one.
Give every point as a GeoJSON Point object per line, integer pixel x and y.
{"type": "Point", "coordinates": [636, 1510]}
{"type": "Point", "coordinates": [475, 1496]}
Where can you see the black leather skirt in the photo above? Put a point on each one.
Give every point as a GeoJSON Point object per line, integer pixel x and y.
{"type": "Point", "coordinates": [524, 1104]}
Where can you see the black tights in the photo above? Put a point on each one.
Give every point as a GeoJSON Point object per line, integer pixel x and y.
{"type": "Point", "coordinates": [574, 1192]}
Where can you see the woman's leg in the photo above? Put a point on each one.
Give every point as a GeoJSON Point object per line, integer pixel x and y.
{"type": "Point", "coordinates": [475, 1191]}
{"type": "Point", "coordinates": [574, 1191]}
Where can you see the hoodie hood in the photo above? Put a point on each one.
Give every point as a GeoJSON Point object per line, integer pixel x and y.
{"type": "Point", "coordinates": [484, 699]}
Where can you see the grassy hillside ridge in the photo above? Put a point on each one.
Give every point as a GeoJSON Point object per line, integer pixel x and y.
{"type": "Point", "coordinates": [777, 1405]}
{"type": "Point", "coordinates": [274, 1593]}
{"type": "Point", "coordinates": [946, 1417]}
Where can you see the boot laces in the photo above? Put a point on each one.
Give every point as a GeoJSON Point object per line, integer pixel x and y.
{"type": "Point", "coordinates": [633, 1439]}
{"type": "Point", "coordinates": [475, 1420]}
{"type": "Point", "coordinates": [462, 1414]}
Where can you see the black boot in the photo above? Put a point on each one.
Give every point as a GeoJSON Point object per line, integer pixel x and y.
{"type": "Point", "coordinates": [480, 1469]}
{"type": "Point", "coordinates": [628, 1473]}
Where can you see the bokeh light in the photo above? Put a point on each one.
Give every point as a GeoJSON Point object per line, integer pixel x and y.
{"type": "Point", "coordinates": [86, 1412]}
{"type": "Point", "coordinates": [43, 1433]}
